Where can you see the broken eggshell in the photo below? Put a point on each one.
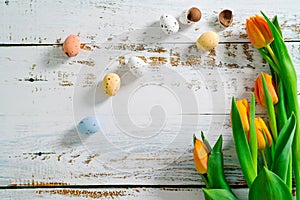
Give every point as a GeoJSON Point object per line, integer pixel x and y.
{"type": "Point", "coordinates": [137, 66]}
{"type": "Point", "coordinates": [88, 125]}
{"type": "Point", "coordinates": [169, 24]}
{"type": "Point", "coordinates": [226, 17]}
{"type": "Point", "coordinates": [190, 16]}
{"type": "Point", "coordinates": [207, 41]}
{"type": "Point", "coordinates": [71, 45]}
{"type": "Point", "coordinates": [111, 84]}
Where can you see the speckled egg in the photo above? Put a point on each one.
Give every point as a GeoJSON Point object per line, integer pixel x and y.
{"type": "Point", "coordinates": [88, 125]}
{"type": "Point", "coordinates": [111, 84]}
{"type": "Point", "coordinates": [208, 41]}
{"type": "Point", "coordinates": [169, 24]}
{"type": "Point", "coordinates": [71, 45]}
{"type": "Point", "coordinates": [137, 66]}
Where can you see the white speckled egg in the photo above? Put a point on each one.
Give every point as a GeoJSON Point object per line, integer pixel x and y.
{"type": "Point", "coordinates": [71, 45]}
{"type": "Point", "coordinates": [137, 66]}
{"type": "Point", "coordinates": [88, 125]}
{"type": "Point", "coordinates": [169, 24]}
{"type": "Point", "coordinates": [111, 84]}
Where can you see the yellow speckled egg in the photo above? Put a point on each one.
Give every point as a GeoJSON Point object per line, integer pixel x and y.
{"type": "Point", "coordinates": [208, 41]}
{"type": "Point", "coordinates": [111, 84]}
{"type": "Point", "coordinates": [71, 46]}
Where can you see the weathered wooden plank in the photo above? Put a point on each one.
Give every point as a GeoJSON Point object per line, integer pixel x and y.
{"type": "Point", "coordinates": [117, 193]}
{"type": "Point", "coordinates": [112, 156]}
{"type": "Point", "coordinates": [48, 82]}
{"type": "Point", "coordinates": [41, 22]}
{"type": "Point", "coordinates": [45, 94]}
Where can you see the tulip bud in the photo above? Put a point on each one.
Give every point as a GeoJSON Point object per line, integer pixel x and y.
{"type": "Point", "coordinates": [244, 110]}
{"type": "Point", "coordinates": [259, 90]}
{"type": "Point", "coordinates": [262, 132]}
{"type": "Point", "coordinates": [201, 154]}
{"type": "Point", "coordinates": [259, 32]}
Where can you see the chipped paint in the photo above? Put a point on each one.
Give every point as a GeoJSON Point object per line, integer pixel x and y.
{"type": "Point", "coordinates": [34, 183]}
{"type": "Point", "coordinates": [157, 50]}
{"type": "Point", "coordinates": [63, 77]}
{"type": "Point", "coordinates": [90, 158]}
{"type": "Point", "coordinates": [247, 52]}
{"type": "Point", "coordinates": [121, 60]}
{"type": "Point", "coordinates": [86, 47]}
{"type": "Point", "coordinates": [66, 83]}
{"type": "Point", "coordinates": [89, 63]}
{"type": "Point", "coordinates": [157, 60]}
{"type": "Point", "coordinates": [59, 156]}
{"type": "Point", "coordinates": [85, 193]}
{"type": "Point", "coordinates": [89, 80]}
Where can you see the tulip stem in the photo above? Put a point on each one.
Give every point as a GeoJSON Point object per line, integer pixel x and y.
{"type": "Point", "coordinates": [272, 54]}
{"type": "Point", "coordinates": [264, 158]}
{"type": "Point", "coordinates": [204, 179]}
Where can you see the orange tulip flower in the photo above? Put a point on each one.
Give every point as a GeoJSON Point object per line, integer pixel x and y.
{"type": "Point", "coordinates": [244, 111]}
{"type": "Point", "coordinates": [259, 32]}
{"type": "Point", "coordinates": [262, 132]}
{"type": "Point", "coordinates": [259, 90]}
{"type": "Point", "coordinates": [201, 154]}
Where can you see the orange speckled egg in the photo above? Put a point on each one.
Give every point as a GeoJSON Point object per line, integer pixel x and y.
{"type": "Point", "coordinates": [71, 46]}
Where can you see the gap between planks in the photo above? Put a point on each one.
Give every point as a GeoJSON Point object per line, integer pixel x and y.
{"type": "Point", "coordinates": [116, 43]}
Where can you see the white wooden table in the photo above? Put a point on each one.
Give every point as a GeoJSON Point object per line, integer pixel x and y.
{"type": "Point", "coordinates": [144, 147]}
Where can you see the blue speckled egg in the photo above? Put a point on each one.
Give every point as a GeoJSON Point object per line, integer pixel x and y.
{"type": "Point", "coordinates": [88, 125]}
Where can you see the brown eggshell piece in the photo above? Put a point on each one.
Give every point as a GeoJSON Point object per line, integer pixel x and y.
{"type": "Point", "coordinates": [226, 17]}
{"type": "Point", "coordinates": [71, 45]}
{"type": "Point", "coordinates": [194, 14]}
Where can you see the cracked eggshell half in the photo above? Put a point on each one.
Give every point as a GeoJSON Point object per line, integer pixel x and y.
{"type": "Point", "coordinates": [169, 24]}
{"type": "Point", "coordinates": [208, 41]}
{"type": "Point", "coordinates": [137, 66]}
{"type": "Point", "coordinates": [71, 45]}
{"type": "Point", "coordinates": [111, 84]}
{"type": "Point", "coordinates": [225, 17]}
{"type": "Point", "coordinates": [190, 16]}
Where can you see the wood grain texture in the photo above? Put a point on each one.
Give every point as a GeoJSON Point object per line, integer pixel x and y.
{"type": "Point", "coordinates": [41, 22]}
{"type": "Point", "coordinates": [148, 143]}
{"type": "Point", "coordinates": [147, 128]}
{"type": "Point", "coordinates": [118, 193]}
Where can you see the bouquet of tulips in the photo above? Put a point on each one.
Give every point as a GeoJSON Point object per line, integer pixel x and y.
{"type": "Point", "coordinates": [269, 156]}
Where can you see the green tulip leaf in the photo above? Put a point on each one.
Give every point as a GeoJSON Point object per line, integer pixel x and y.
{"type": "Point", "coordinates": [286, 69]}
{"type": "Point", "coordinates": [241, 145]}
{"type": "Point", "coordinates": [281, 111]}
{"type": "Point", "coordinates": [283, 148]}
{"type": "Point", "coordinates": [219, 194]}
{"type": "Point", "coordinates": [276, 24]}
{"type": "Point", "coordinates": [268, 185]}
{"type": "Point", "coordinates": [205, 141]}
{"type": "Point", "coordinates": [270, 108]}
{"type": "Point", "coordinates": [215, 171]}
{"type": "Point", "coordinates": [253, 137]}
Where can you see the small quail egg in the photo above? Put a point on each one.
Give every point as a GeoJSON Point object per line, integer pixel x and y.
{"type": "Point", "coordinates": [71, 45]}
{"type": "Point", "coordinates": [137, 66]}
{"type": "Point", "coordinates": [169, 24]}
{"type": "Point", "coordinates": [88, 125]}
{"type": "Point", "coordinates": [190, 16]}
{"type": "Point", "coordinates": [111, 84]}
{"type": "Point", "coordinates": [208, 41]}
